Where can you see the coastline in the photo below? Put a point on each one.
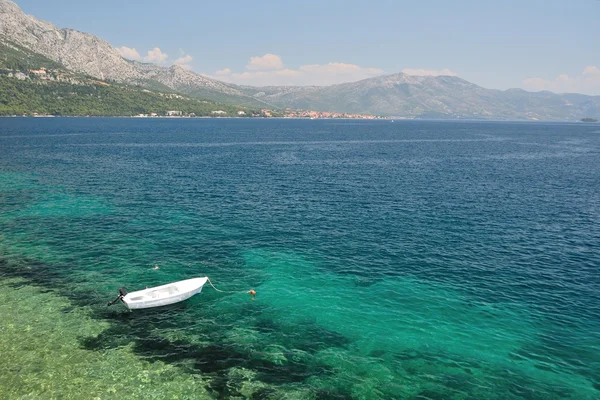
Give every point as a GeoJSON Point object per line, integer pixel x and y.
{"type": "Point", "coordinates": [387, 119]}
{"type": "Point", "coordinates": [201, 117]}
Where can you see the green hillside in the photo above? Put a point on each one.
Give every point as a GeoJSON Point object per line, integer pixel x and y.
{"type": "Point", "coordinates": [17, 58]}
{"type": "Point", "coordinates": [19, 97]}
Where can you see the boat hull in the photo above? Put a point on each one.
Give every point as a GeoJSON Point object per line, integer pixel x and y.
{"type": "Point", "coordinates": [164, 295]}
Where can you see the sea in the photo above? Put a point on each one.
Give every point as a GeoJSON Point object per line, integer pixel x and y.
{"type": "Point", "coordinates": [391, 260]}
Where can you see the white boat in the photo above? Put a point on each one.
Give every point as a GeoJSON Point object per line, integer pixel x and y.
{"type": "Point", "coordinates": [161, 295]}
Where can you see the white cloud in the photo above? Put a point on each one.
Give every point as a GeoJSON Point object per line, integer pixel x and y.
{"type": "Point", "coordinates": [184, 61]}
{"type": "Point", "coordinates": [591, 71]}
{"type": "Point", "coordinates": [266, 62]}
{"type": "Point", "coordinates": [222, 72]}
{"type": "Point", "coordinates": [128, 52]}
{"type": "Point", "coordinates": [258, 74]}
{"type": "Point", "coordinates": [588, 82]}
{"type": "Point", "coordinates": [428, 72]}
{"type": "Point", "coordinates": [156, 55]}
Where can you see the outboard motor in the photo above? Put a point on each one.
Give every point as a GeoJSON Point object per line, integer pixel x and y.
{"type": "Point", "coordinates": [122, 293]}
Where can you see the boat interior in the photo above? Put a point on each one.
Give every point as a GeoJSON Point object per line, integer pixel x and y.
{"type": "Point", "coordinates": [158, 293]}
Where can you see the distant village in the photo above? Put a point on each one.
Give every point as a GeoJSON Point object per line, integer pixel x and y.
{"type": "Point", "coordinates": [44, 74]}
{"type": "Point", "coordinates": [288, 113]}
{"type": "Point", "coordinates": [265, 113]}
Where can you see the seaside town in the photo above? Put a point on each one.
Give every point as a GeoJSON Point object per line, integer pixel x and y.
{"type": "Point", "coordinates": [267, 113]}
{"type": "Point", "coordinates": [288, 113]}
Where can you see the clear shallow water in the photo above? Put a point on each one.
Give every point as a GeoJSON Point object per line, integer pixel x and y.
{"type": "Point", "coordinates": [425, 260]}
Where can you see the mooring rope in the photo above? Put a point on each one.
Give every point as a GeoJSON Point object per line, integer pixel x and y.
{"type": "Point", "coordinates": [226, 291]}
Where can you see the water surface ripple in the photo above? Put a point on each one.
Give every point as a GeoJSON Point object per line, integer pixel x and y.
{"type": "Point", "coordinates": [407, 260]}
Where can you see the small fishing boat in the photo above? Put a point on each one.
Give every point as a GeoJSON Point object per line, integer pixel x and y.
{"type": "Point", "coordinates": [161, 295]}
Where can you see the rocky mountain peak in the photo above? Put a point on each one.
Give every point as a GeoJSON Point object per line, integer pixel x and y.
{"type": "Point", "coordinates": [9, 7]}
{"type": "Point", "coordinates": [19, 27]}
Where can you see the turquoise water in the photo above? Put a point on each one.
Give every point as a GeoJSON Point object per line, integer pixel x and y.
{"type": "Point", "coordinates": [407, 260]}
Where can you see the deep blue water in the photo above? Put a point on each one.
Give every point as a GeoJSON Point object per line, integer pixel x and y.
{"type": "Point", "coordinates": [412, 259]}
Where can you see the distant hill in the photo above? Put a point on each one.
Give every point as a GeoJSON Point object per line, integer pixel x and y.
{"type": "Point", "coordinates": [431, 97]}
{"type": "Point", "coordinates": [397, 95]}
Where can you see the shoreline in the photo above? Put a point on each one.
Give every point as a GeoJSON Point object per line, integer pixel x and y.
{"type": "Point", "coordinates": [206, 117]}
{"type": "Point", "coordinates": [387, 119]}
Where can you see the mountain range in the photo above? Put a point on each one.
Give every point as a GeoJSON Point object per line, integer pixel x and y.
{"type": "Point", "coordinates": [398, 95]}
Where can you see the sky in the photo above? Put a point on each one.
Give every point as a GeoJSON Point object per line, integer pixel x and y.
{"type": "Point", "coordinates": [530, 44]}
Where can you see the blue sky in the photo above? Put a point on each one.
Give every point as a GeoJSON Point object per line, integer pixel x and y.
{"type": "Point", "coordinates": [532, 44]}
